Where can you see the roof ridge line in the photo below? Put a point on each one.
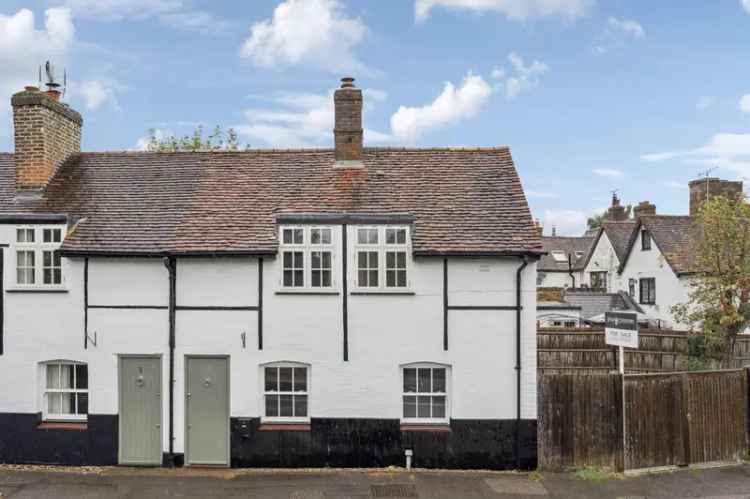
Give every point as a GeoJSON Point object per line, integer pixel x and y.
{"type": "Point", "coordinates": [299, 150]}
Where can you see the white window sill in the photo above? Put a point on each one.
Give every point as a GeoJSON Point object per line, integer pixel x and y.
{"type": "Point", "coordinates": [395, 292]}
{"type": "Point", "coordinates": [305, 291]}
{"type": "Point", "coordinates": [37, 289]}
{"type": "Point", "coordinates": [283, 421]}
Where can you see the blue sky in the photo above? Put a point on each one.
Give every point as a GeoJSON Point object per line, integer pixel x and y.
{"type": "Point", "coordinates": [638, 96]}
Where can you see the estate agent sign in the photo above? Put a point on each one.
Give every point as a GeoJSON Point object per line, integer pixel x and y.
{"type": "Point", "coordinates": [621, 329]}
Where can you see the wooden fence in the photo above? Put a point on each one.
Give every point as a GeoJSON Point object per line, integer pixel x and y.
{"type": "Point", "coordinates": [669, 419]}
{"type": "Point", "coordinates": [584, 351]}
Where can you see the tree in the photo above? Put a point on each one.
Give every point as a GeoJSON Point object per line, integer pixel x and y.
{"type": "Point", "coordinates": [719, 297]}
{"type": "Point", "coordinates": [623, 213]}
{"type": "Point", "coordinates": [596, 221]}
{"type": "Point", "coordinates": [217, 141]}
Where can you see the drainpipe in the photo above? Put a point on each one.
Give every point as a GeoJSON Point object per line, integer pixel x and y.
{"type": "Point", "coordinates": [524, 263]}
{"type": "Point", "coordinates": [171, 265]}
{"type": "Point", "coordinates": [570, 271]}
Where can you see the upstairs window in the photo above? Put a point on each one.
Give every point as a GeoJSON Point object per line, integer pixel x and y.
{"type": "Point", "coordinates": [66, 391]}
{"type": "Point", "coordinates": [38, 259]}
{"type": "Point", "coordinates": [425, 394]}
{"type": "Point", "coordinates": [599, 280]}
{"type": "Point", "coordinates": [381, 255]}
{"type": "Point", "coordinates": [307, 255]}
{"type": "Point", "coordinates": [285, 394]}
{"type": "Point", "coordinates": [631, 287]}
{"type": "Point", "coordinates": [645, 240]}
{"type": "Point", "coordinates": [648, 291]}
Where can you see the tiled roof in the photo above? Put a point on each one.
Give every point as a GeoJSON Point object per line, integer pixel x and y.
{"type": "Point", "coordinates": [594, 303]}
{"type": "Point", "coordinates": [568, 245]}
{"type": "Point", "coordinates": [619, 234]}
{"type": "Point", "coordinates": [673, 235]}
{"type": "Point", "coordinates": [464, 201]}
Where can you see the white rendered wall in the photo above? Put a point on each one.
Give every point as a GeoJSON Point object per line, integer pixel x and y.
{"type": "Point", "coordinates": [604, 259]}
{"type": "Point", "coordinates": [670, 290]}
{"type": "Point", "coordinates": [385, 332]}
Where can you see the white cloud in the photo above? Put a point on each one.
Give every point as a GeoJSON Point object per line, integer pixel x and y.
{"type": "Point", "coordinates": [143, 142]}
{"type": "Point", "coordinates": [301, 120]}
{"type": "Point", "coordinates": [96, 93]}
{"type": "Point", "coordinates": [607, 172]}
{"type": "Point", "coordinates": [627, 27]}
{"type": "Point", "coordinates": [513, 9]}
{"type": "Point", "coordinates": [23, 47]}
{"type": "Point", "coordinates": [521, 77]}
{"type": "Point", "coordinates": [726, 150]}
{"type": "Point", "coordinates": [315, 32]}
{"type": "Point", "coordinates": [704, 102]}
{"type": "Point", "coordinates": [173, 13]}
{"type": "Point", "coordinates": [541, 194]}
{"type": "Point", "coordinates": [498, 73]}
{"type": "Point", "coordinates": [745, 100]}
{"type": "Point", "coordinates": [746, 5]}
{"type": "Point", "coordinates": [565, 222]}
{"type": "Point", "coordinates": [452, 105]}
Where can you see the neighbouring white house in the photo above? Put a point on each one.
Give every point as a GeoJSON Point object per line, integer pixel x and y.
{"type": "Point", "coordinates": [309, 307]}
{"type": "Point", "coordinates": [562, 266]}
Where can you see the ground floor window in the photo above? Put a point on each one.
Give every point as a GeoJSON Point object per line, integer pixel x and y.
{"type": "Point", "coordinates": [286, 392]}
{"type": "Point", "coordinates": [425, 394]}
{"type": "Point", "coordinates": [66, 391]}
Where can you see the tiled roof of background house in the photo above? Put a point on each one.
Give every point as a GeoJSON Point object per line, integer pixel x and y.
{"type": "Point", "coordinates": [673, 235]}
{"type": "Point", "coordinates": [467, 201]}
{"type": "Point", "coordinates": [594, 303]}
{"type": "Point", "coordinates": [619, 235]}
{"type": "Point", "coordinates": [577, 247]}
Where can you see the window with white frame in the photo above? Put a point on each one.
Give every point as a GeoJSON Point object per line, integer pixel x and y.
{"type": "Point", "coordinates": [425, 394]}
{"type": "Point", "coordinates": [285, 392]}
{"type": "Point", "coordinates": [381, 258]}
{"type": "Point", "coordinates": [38, 260]}
{"type": "Point", "coordinates": [307, 255]}
{"type": "Point", "coordinates": [66, 391]}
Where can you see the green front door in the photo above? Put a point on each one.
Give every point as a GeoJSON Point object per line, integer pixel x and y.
{"type": "Point", "coordinates": [207, 411]}
{"type": "Point", "coordinates": [140, 411]}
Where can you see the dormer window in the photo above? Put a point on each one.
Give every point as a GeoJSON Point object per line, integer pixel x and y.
{"type": "Point", "coordinates": [307, 255]}
{"type": "Point", "coordinates": [38, 260]}
{"type": "Point", "coordinates": [559, 256]}
{"type": "Point", "coordinates": [381, 257]}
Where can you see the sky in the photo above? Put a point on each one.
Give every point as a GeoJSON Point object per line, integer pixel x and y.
{"type": "Point", "coordinates": [591, 95]}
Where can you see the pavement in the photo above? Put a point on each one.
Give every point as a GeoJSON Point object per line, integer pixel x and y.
{"type": "Point", "coordinates": [119, 483]}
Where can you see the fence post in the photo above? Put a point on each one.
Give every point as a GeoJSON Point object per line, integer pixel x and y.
{"type": "Point", "coordinates": [621, 459]}
{"type": "Point", "coordinates": [685, 402]}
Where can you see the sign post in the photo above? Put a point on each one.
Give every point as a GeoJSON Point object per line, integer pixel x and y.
{"type": "Point", "coordinates": [621, 329]}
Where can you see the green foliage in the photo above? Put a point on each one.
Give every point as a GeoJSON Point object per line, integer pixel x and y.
{"type": "Point", "coordinates": [217, 141]}
{"type": "Point", "coordinates": [719, 298]}
{"type": "Point", "coordinates": [596, 221]}
{"type": "Point", "coordinates": [595, 474]}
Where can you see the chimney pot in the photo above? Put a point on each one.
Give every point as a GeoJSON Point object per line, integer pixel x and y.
{"type": "Point", "coordinates": [347, 82]}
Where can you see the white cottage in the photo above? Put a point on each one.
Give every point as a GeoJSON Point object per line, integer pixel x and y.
{"type": "Point", "coordinates": [332, 307]}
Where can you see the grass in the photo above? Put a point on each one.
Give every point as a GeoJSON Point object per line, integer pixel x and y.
{"type": "Point", "coordinates": [594, 474]}
{"type": "Point", "coordinates": [536, 476]}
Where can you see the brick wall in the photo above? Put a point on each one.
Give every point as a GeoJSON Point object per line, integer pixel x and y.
{"type": "Point", "coordinates": [702, 188]}
{"type": "Point", "coordinates": [348, 125]}
{"type": "Point", "coordinates": [46, 134]}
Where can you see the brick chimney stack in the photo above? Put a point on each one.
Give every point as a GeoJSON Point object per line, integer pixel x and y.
{"type": "Point", "coordinates": [347, 130]}
{"type": "Point", "coordinates": [47, 132]}
{"type": "Point", "coordinates": [644, 208]}
{"type": "Point", "coordinates": [616, 212]}
{"type": "Point", "coordinates": [703, 189]}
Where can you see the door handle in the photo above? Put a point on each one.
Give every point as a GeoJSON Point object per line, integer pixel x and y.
{"type": "Point", "coordinates": [158, 426]}
{"type": "Point", "coordinates": [188, 394]}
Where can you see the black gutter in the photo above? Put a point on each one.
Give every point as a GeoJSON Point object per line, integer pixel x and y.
{"type": "Point", "coordinates": [477, 254]}
{"type": "Point", "coordinates": [570, 270]}
{"type": "Point", "coordinates": [171, 265]}
{"type": "Point", "coordinates": [2, 301]}
{"type": "Point", "coordinates": [165, 254]}
{"type": "Point", "coordinates": [518, 361]}
{"type": "Point", "coordinates": [345, 218]}
{"type": "Point", "coordinates": [34, 218]}
{"type": "Point", "coordinates": [345, 294]}
{"type": "Point", "coordinates": [445, 304]}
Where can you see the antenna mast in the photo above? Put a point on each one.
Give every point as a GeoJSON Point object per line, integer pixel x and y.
{"type": "Point", "coordinates": [706, 174]}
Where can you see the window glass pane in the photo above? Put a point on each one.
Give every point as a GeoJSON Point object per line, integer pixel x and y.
{"type": "Point", "coordinates": [57, 276]}
{"type": "Point", "coordinates": [300, 406]}
{"type": "Point", "coordinates": [401, 260]}
{"type": "Point", "coordinates": [315, 259]}
{"type": "Point", "coordinates": [327, 278]}
{"type": "Point", "coordinates": [285, 406]}
{"type": "Point", "coordinates": [298, 236]}
{"type": "Point", "coordinates": [390, 236]}
{"type": "Point", "coordinates": [325, 236]}
{"type": "Point", "coordinates": [390, 278]}
{"type": "Point", "coordinates": [298, 259]}
{"type": "Point", "coordinates": [362, 259]}
{"type": "Point", "coordinates": [410, 380]}
{"type": "Point", "coordinates": [300, 379]}
{"type": "Point", "coordinates": [373, 278]}
{"type": "Point", "coordinates": [47, 276]}
{"type": "Point", "coordinates": [438, 407]}
{"type": "Point", "coordinates": [288, 278]}
{"type": "Point", "coordinates": [438, 380]}
{"type": "Point", "coordinates": [272, 379]}
{"type": "Point", "coordinates": [315, 281]}
{"type": "Point", "coordinates": [287, 259]}
{"type": "Point", "coordinates": [390, 260]}
{"type": "Point", "coordinates": [410, 406]}
{"type": "Point", "coordinates": [298, 278]}
{"type": "Point", "coordinates": [315, 236]}
{"type": "Point", "coordinates": [25, 235]}
{"type": "Point", "coordinates": [401, 279]}
{"type": "Point", "coordinates": [53, 376]}
{"type": "Point", "coordinates": [83, 403]}
{"type": "Point", "coordinates": [372, 236]}
{"type": "Point", "coordinates": [362, 278]}
{"type": "Point", "coordinates": [47, 258]}
{"type": "Point", "coordinates": [373, 259]}
{"type": "Point", "coordinates": [68, 403]}
{"type": "Point", "coordinates": [82, 376]}
{"type": "Point", "coordinates": [272, 405]}
{"type": "Point", "coordinates": [47, 235]}
{"type": "Point", "coordinates": [54, 403]}
{"type": "Point", "coordinates": [401, 236]}
{"type": "Point", "coordinates": [326, 259]}
{"type": "Point", "coordinates": [285, 379]}
{"type": "Point", "coordinates": [423, 407]}
{"type": "Point", "coordinates": [287, 236]}
{"type": "Point", "coordinates": [424, 380]}
{"type": "Point", "coordinates": [66, 376]}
